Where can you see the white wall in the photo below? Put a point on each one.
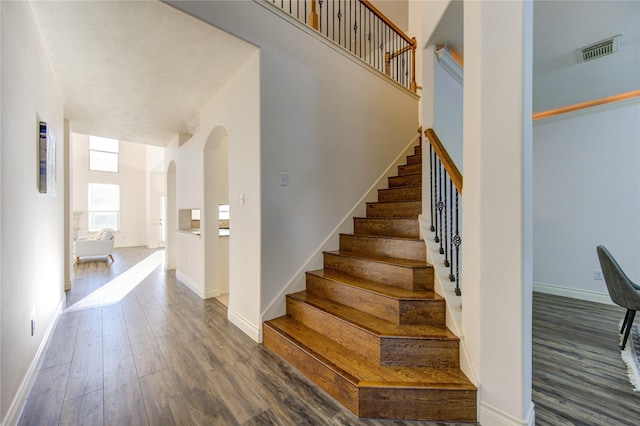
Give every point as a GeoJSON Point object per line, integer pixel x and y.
{"type": "Point", "coordinates": [496, 276]}
{"type": "Point", "coordinates": [448, 112]}
{"type": "Point", "coordinates": [586, 192]}
{"type": "Point", "coordinates": [32, 225]}
{"type": "Point", "coordinates": [333, 124]}
{"type": "Point", "coordinates": [132, 178]}
{"type": "Point", "coordinates": [235, 108]}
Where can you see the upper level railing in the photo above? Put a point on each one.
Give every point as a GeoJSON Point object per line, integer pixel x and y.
{"type": "Point", "coordinates": [445, 190]}
{"type": "Point", "coordinates": [363, 30]}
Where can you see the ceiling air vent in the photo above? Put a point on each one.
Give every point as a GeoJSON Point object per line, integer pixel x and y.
{"type": "Point", "coordinates": [599, 49]}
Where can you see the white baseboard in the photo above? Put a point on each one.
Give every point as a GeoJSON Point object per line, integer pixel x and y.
{"type": "Point", "coordinates": [196, 288]}
{"type": "Point", "coordinates": [493, 416]}
{"type": "Point", "coordinates": [249, 329]}
{"type": "Point", "coordinates": [17, 405]}
{"type": "Point", "coordinates": [574, 293]}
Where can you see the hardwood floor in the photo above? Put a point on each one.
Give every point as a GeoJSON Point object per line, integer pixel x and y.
{"type": "Point", "coordinates": [163, 356]}
{"type": "Point", "coordinates": [578, 375]}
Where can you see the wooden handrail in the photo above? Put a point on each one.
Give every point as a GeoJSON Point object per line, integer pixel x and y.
{"type": "Point", "coordinates": [388, 21]}
{"type": "Point", "coordinates": [391, 32]}
{"type": "Point", "coordinates": [447, 162]}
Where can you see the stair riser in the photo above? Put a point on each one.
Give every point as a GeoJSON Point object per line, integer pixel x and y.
{"type": "Point", "coordinates": [343, 390]}
{"type": "Point", "coordinates": [403, 210]}
{"type": "Point", "coordinates": [400, 194]}
{"type": "Point", "coordinates": [404, 249]}
{"type": "Point", "coordinates": [419, 353]}
{"type": "Point", "coordinates": [418, 149]}
{"type": "Point", "coordinates": [410, 169]}
{"type": "Point", "coordinates": [390, 351]}
{"type": "Point", "coordinates": [423, 312]}
{"type": "Point", "coordinates": [404, 277]}
{"type": "Point", "coordinates": [408, 180]}
{"type": "Point", "coordinates": [408, 228]}
{"type": "Point", "coordinates": [349, 336]}
{"type": "Point", "coordinates": [418, 404]}
{"type": "Point", "coordinates": [414, 159]}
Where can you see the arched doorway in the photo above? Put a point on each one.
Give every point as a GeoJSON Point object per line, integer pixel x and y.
{"type": "Point", "coordinates": [216, 199]}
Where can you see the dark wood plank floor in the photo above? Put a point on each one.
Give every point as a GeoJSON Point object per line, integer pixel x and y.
{"type": "Point", "coordinates": [163, 356]}
{"type": "Point", "coordinates": [578, 375]}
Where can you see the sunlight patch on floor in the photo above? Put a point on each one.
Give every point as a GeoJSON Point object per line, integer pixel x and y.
{"type": "Point", "coordinates": [118, 288]}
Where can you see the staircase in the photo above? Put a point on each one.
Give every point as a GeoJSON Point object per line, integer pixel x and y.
{"type": "Point", "coordinates": [369, 329]}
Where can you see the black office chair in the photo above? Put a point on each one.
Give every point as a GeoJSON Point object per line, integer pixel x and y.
{"type": "Point", "coordinates": [622, 290]}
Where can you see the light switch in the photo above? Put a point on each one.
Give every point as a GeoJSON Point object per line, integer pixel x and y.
{"type": "Point", "coordinates": [284, 178]}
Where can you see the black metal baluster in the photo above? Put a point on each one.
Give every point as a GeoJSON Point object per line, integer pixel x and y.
{"type": "Point", "coordinates": [446, 220]}
{"type": "Point", "coordinates": [457, 241]}
{"type": "Point", "coordinates": [339, 15]}
{"type": "Point", "coordinates": [431, 182]}
{"type": "Point", "coordinates": [333, 18]}
{"type": "Point", "coordinates": [451, 276]}
{"type": "Point", "coordinates": [437, 238]}
{"type": "Point", "coordinates": [345, 24]}
{"type": "Point", "coordinates": [440, 203]}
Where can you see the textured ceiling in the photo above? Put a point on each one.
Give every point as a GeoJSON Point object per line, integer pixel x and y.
{"type": "Point", "coordinates": [132, 70]}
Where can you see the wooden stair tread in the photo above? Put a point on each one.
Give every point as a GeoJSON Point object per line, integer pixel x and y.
{"type": "Point", "coordinates": [386, 290]}
{"type": "Point", "coordinates": [371, 323]}
{"type": "Point", "coordinates": [386, 237]}
{"type": "Point", "coordinates": [407, 263]}
{"type": "Point", "coordinates": [361, 371]}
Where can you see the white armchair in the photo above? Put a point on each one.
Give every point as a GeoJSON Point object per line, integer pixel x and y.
{"type": "Point", "coordinates": [98, 244]}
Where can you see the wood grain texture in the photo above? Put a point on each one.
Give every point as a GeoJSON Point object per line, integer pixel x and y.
{"type": "Point", "coordinates": [405, 248]}
{"type": "Point", "coordinates": [163, 401]}
{"type": "Point", "coordinates": [45, 401]}
{"type": "Point", "coordinates": [410, 169]}
{"type": "Point", "coordinates": [406, 193]}
{"type": "Point", "coordinates": [578, 374]}
{"type": "Point", "coordinates": [220, 375]}
{"type": "Point", "coordinates": [401, 209]}
{"type": "Point", "coordinates": [389, 227]}
{"type": "Point", "coordinates": [408, 274]}
{"type": "Point", "coordinates": [83, 410]}
{"type": "Point", "coordinates": [407, 180]}
{"type": "Point", "coordinates": [390, 303]}
{"type": "Point", "coordinates": [370, 318]}
{"type": "Point", "coordinates": [414, 159]}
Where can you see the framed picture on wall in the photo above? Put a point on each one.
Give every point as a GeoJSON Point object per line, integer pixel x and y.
{"type": "Point", "coordinates": [42, 158]}
{"type": "Point", "coordinates": [46, 160]}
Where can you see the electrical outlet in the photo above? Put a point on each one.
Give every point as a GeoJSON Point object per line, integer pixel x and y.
{"type": "Point", "coordinates": [597, 275]}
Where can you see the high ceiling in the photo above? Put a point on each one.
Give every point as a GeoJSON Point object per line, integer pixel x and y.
{"type": "Point", "coordinates": [140, 70]}
{"type": "Point", "coordinates": [559, 28]}
{"type": "Point", "coordinates": [135, 71]}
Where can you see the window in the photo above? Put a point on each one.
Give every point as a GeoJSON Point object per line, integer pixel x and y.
{"type": "Point", "coordinates": [103, 154]}
{"type": "Point", "coordinates": [104, 206]}
{"type": "Point", "coordinates": [223, 219]}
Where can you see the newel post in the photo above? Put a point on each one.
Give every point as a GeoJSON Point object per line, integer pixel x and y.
{"type": "Point", "coordinates": [313, 15]}
{"type": "Point", "coordinates": [387, 63]}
